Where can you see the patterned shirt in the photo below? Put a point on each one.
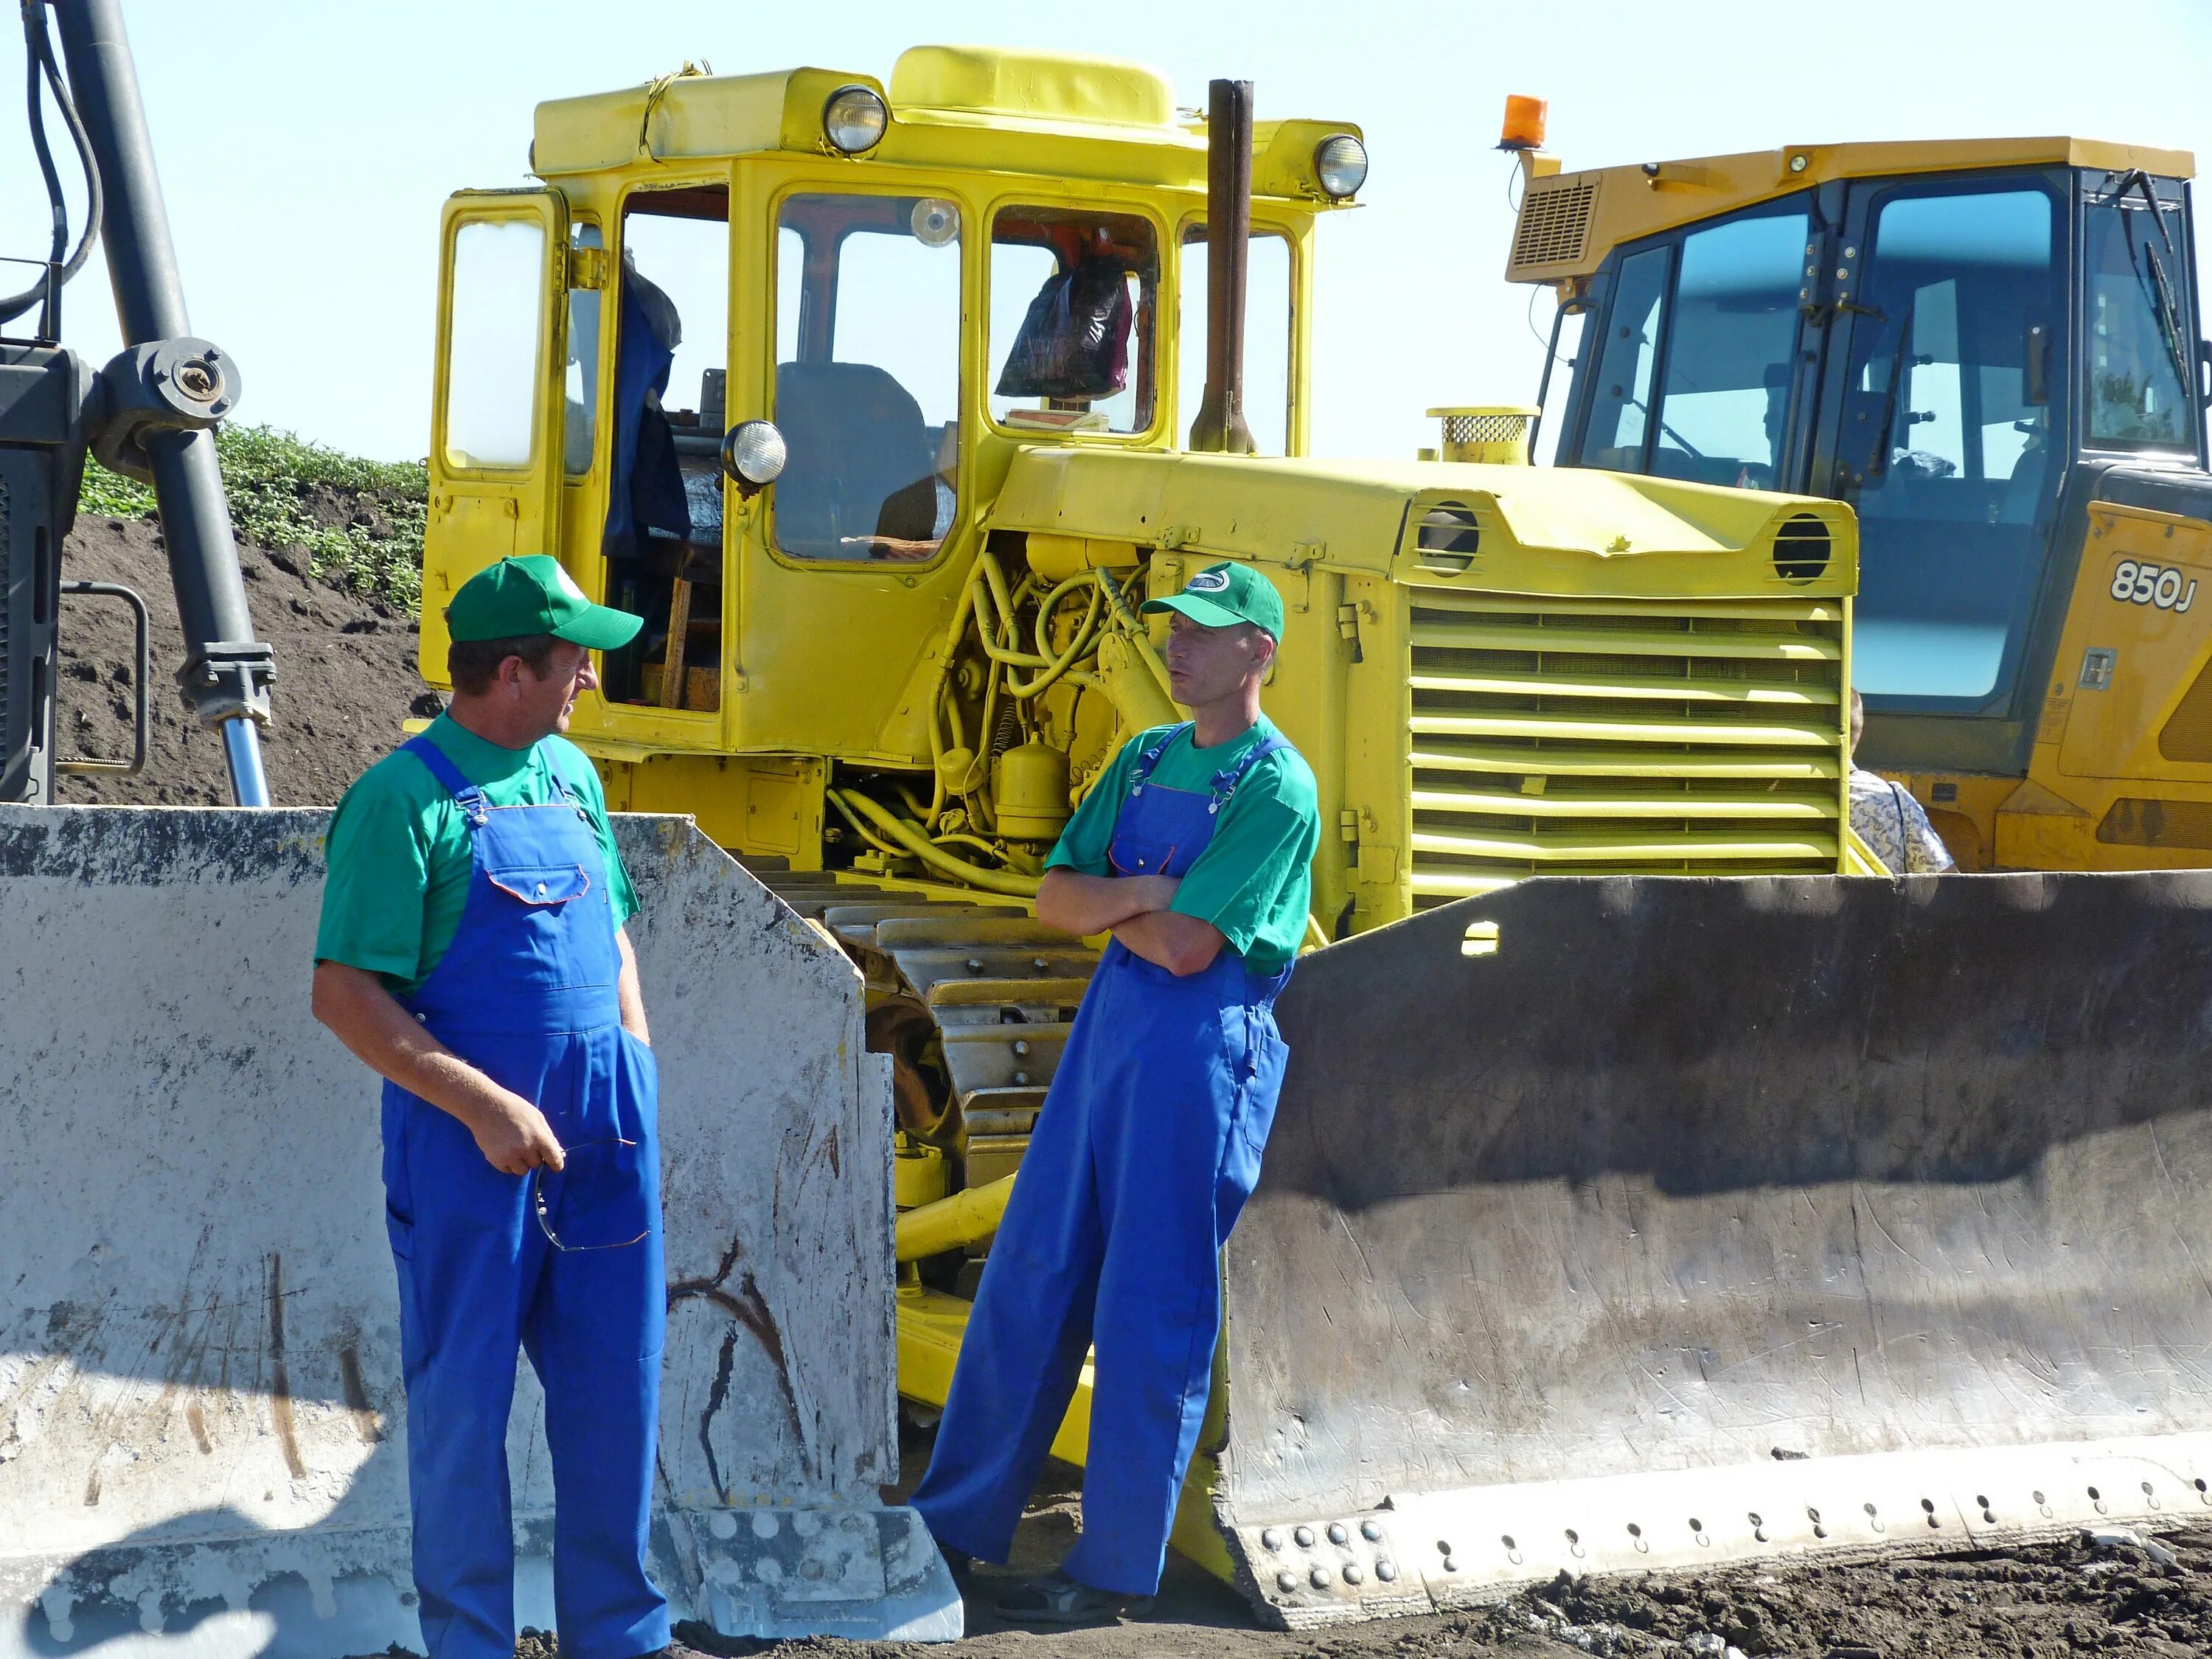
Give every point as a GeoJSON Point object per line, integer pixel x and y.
{"type": "Point", "coordinates": [1891, 823]}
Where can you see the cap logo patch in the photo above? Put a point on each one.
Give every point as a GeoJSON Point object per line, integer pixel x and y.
{"type": "Point", "coordinates": [567, 585]}
{"type": "Point", "coordinates": [1208, 581]}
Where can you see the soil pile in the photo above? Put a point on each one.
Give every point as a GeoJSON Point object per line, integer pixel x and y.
{"type": "Point", "coordinates": [345, 674]}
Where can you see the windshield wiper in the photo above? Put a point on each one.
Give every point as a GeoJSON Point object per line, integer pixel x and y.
{"type": "Point", "coordinates": [2161, 294]}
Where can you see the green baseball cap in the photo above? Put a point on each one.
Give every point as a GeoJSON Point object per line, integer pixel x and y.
{"type": "Point", "coordinates": [1223, 595]}
{"type": "Point", "coordinates": [532, 594]}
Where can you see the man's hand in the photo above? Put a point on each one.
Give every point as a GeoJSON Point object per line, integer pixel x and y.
{"type": "Point", "coordinates": [512, 1132]}
{"type": "Point", "coordinates": [515, 1138]}
{"type": "Point", "coordinates": [1084, 905]}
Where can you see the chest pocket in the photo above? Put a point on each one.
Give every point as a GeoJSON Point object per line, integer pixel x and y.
{"type": "Point", "coordinates": [1141, 855]}
{"type": "Point", "coordinates": [542, 884]}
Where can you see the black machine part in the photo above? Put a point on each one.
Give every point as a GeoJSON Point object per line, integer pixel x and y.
{"type": "Point", "coordinates": [43, 393]}
{"type": "Point", "coordinates": [149, 414]}
{"type": "Point", "coordinates": [142, 625]}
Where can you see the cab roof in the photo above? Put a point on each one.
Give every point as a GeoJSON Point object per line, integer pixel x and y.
{"type": "Point", "coordinates": [1569, 221]}
{"type": "Point", "coordinates": [971, 108]}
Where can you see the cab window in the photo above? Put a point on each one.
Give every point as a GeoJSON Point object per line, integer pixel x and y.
{"type": "Point", "coordinates": [868, 378]}
{"type": "Point", "coordinates": [581, 380]}
{"type": "Point", "coordinates": [2137, 329]}
{"type": "Point", "coordinates": [1268, 343]}
{"type": "Point", "coordinates": [1731, 353]}
{"type": "Point", "coordinates": [1628, 352]}
{"type": "Point", "coordinates": [1072, 319]}
{"type": "Point", "coordinates": [492, 362]}
{"type": "Point", "coordinates": [1953, 436]}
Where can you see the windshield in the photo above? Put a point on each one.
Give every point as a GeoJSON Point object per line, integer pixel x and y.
{"type": "Point", "coordinates": [2136, 329]}
{"type": "Point", "coordinates": [1732, 347]}
{"type": "Point", "coordinates": [867, 376]}
{"type": "Point", "coordinates": [1695, 365]}
{"type": "Point", "coordinates": [1952, 422]}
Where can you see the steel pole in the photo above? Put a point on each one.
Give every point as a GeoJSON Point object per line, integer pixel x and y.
{"type": "Point", "coordinates": [225, 671]}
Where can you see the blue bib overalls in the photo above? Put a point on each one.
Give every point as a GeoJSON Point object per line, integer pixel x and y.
{"type": "Point", "coordinates": [1147, 1149]}
{"type": "Point", "coordinates": [566, 1265]}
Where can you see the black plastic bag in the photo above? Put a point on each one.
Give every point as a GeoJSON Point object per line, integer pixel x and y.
{"type": "Point", "coordinates": [1074, 343]}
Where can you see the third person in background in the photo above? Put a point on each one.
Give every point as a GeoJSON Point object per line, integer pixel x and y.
{"type": "Point", "coordinates": [1888, 820]}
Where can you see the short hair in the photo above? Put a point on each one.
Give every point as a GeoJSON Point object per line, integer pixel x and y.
{"type": "Point", "coordinates": [473, 664]}
{"type": "Point", "coordinates": [1858, 716]}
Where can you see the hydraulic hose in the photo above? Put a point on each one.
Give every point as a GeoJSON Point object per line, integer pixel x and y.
{"type": "Point", "coordinates": [1056, 666]}
{"type": "Point", "coordinates": [856, 805]}
{"type": "Point", "coordinates": [39, 60]}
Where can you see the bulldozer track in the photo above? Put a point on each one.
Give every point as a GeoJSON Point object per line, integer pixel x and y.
{"type": "Point", "coordinates": [972, 997]}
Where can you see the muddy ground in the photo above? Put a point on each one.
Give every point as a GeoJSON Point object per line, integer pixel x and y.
{"type": "Point", "coordinates": [347, 679]}
{"type": "Point", "coordinates": [2144, 1599]}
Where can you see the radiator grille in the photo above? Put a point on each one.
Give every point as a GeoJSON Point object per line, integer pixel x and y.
{"type": "Point", "coordinates": [1553, 229]}
{"type": "Point", "coordinates": [1561, 737]}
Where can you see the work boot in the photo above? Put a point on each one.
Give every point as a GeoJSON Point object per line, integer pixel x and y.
{"type": "Point", "coordinates": [1055, 1599]}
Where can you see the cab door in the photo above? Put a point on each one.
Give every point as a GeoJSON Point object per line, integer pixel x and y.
{"type": "Point", "coordinates": [496, 411]}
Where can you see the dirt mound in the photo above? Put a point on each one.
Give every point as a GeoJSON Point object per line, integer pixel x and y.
{"type": "Point", "coordinates": [345, 676]}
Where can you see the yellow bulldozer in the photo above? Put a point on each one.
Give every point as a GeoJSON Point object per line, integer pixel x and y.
{"type": "Point", "coordinates": [1989, 349]}
{"type": "Point", "coordinates": [1707, 1198]}
{"type": "Point", "coordinates": [872, 396]}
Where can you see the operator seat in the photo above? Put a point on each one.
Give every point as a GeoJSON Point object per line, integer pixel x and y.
{"type": "Point", "coordinates": [861, 463]}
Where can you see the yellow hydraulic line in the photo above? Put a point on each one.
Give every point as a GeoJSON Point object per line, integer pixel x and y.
{"type": "Point", "coordinates": [1139, 635]}
{"type": "Point", "coordinates": [966, 1218]}
{"type": "Point", "coordinates": [912, 839]}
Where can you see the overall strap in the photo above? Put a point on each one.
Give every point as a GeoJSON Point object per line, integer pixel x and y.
{"type": "Point", "coordinates": [1150, 758]}
{"type": "Point", "coordinates": [441, 767]}
{"type": "Point", "coordinates": [1226, 780]}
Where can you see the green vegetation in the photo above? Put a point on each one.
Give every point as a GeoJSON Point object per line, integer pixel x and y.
{"type": "Point", "coordinates": [359, 522]}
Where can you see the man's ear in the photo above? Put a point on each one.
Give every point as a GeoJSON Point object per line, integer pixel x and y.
{"type": "Point", "coordinates": [1270, 648]}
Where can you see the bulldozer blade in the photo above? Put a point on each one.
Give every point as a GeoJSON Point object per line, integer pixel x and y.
{"type": "Point", "coordinates": [203, 1428]}
{"type": "Point", "coordinates": [1610, 1225]}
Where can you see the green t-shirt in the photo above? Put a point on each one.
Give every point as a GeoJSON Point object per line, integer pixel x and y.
{"type": "Point", "coordinates": [399, 857]}
{"type": "Point", "coordinates": [1254, 881]}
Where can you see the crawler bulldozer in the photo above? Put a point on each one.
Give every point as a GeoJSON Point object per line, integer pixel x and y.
{"type": "Point", "coordinates": [1669, 1209]}
{"type": "Point", "coordinates": [1655, 1184]}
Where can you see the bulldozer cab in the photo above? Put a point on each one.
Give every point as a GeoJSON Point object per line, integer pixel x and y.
{"type": "Point", "coordinates": [912, 279]}
{"type": "Point", "coordinates": [1960, 341]}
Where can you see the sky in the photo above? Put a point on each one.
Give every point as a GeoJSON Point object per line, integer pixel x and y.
{"type": "Point", "coordinates": [305, 150]}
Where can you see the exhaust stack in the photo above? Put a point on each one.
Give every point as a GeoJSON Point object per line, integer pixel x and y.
{"type": "Point", "coordinates": [1220, 427]}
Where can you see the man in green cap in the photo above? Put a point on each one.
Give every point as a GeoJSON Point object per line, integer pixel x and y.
{"type": "Point", "coordinates": [472, 952]}
{"type": "Point", "coordinates": [1194, 850]}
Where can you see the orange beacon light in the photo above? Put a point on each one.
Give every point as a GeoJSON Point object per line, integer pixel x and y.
{"type": "Point", "coordinates": [1525, 123]}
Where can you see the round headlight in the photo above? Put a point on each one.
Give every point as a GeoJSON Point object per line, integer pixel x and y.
{"type": "Point", "coordinates": [854, 119]}
{"type": "Point", "coordinates": [753, 454]}
{"type": "Point", "coordinates": [1340, 165]}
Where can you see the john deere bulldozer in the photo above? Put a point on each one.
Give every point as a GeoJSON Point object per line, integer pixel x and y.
{"type": "Point", "coordinates": [1611, 1221]}
{"type": "Point", "coordinates": [1989, 349]}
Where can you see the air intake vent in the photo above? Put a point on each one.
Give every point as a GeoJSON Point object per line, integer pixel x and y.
{"type": "Point", "coordinates": [1801, 549]}
{"type": "Point", "coordinates": [1555, 226]}
{"type": "Point", "coordinates": [1596, 737]}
